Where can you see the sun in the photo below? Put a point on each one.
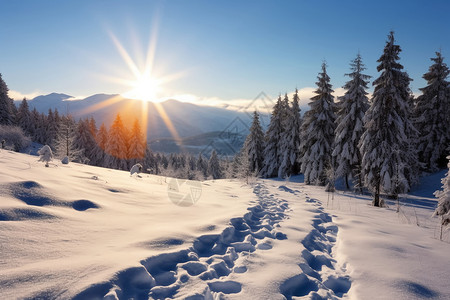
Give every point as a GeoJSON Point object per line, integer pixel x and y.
{"type": "Point", "coordinates": [144, 88]}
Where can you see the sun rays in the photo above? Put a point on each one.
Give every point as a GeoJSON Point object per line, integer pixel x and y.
{"type": "Point", "coordinates": [140, 82]}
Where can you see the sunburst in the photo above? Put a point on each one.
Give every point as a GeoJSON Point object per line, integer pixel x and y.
{"type": "Point", "coordinates": [142, 83]}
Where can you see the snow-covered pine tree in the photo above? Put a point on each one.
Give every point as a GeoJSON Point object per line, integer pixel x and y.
{"type": "Point", "coordinates": [290, 145]}
{"type": "Point", "coordinates": [24, 118]}
{"type": "Point", "coordinates": [102, 140]}
{"type": "Point", "coordinates": [95, 154]}
{"type": "Point", "coordinates": [350, 124]}
{"type": "Point", "coordinates": [318, 132]}
{"type": "Point", "coordinates": [384, 145]}
{"type": "Point", "coordinates": [65, 141]}
{"type": "Point", "coordinates": [116, 147]}
{"type": "Point", "coordinates": [86, 142]}
{"type": "Point", "coordinates": [137, 145]}
{"type": "Point", "coordinates": [45, 154]}
{"type": "Point", "coordinates": [432, 117]}
{"type": "Point", "coordinates": [52, 127]}
{"type": "Point", "coordinates": [272, 142]}
{"type": "Point", "coordinates": [254, 145]}
{"type": "Point", "coordinates": [214, 168]}
{"type": "Point", "coordinates": [443, 208]}
{"type": "Point", "coordinates": [150, 162]}
{"type": "Point", "coordinates": [40, 133]}
{"type": "Point", "coordinates": [6, 112]}
{"type": "Point", "coordinates": [202, 166]}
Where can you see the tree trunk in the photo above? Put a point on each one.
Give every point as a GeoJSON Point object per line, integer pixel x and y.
{"type": "Point", "coordinates": [346, 182]}
{"type": "Point", "coordinates": [376, 199]}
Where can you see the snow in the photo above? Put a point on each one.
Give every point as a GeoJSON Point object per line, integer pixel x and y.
{"type": "Point", "coordinates": [83, 232]}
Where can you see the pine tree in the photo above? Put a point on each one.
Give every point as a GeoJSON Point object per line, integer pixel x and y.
{"type": "Point", "coordinates": [85, 141]}
{"type": "Point", "coordinates": [24, 120]}
{"type": "Point", "coordinates": [40, 132]}
{"type": "Point", "coordinates": [150, 162]}
{"type": "Point", "coordinates": [34, 124]}
{"type": "Point", "coordinates": [350, 124]}
{"type": "Point", "coordinates": [254, 145]}
{"type": "Point", "coordinates": [102, 140]}
{"type": "Point", "coordinates": [272, 142]}
{"type": "Point", "coordinates": [443, 208]}
{"type": "Point", "coordinates": [45, 154]}
{"type": "Point", "coordinates": [136, 150]}
{"type": "Point", "coordinates": [96, 153]}
{"type": "Point", "coordinates": [6, 109]}
{"type": "Point", "coordinates": [385, 143]}
{"type": "Point", "coordinates": [432, 116]}
{"type": "Point", "coordinates": [318, 133]}
{"type": "Point", "coordinates": [202, 166]}
{"type": "Point", "coordinates": [117, 146]}
{"type": "Point", "coordinates": [52, 127]}
{"type": "Point", "coordinates": [65, 141]}
{"type": "Point", "coordinates": [214, 168]}
{"type": "Point", "coordinates": [290, 145]}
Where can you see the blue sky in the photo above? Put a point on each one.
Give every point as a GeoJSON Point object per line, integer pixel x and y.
{"type": "Point", "coordinates": [222, 49]}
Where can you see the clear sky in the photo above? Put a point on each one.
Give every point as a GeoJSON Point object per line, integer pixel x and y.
{"type": "Point", "coordinates": [210, 49]}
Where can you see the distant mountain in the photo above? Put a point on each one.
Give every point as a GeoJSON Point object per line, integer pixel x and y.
{"type": "Point", "coordinates": [169, 123]}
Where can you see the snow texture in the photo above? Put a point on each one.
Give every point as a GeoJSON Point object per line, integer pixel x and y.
{"type": "Point", "coordinates": [82, 232]}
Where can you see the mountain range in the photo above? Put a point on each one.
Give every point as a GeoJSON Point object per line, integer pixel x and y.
{"type": "Point", "coordinates": [172, 126]}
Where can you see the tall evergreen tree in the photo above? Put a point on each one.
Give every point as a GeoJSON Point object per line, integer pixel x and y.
{"type": "Point", "coordinates": [214, 168]}
{"type": "Point", "coordinates": [86, 142]}
{"type": "Point", "coordinates": [272, 142]}
{"type": "Point", "coordinates": [385, 143]}
{"type": "Point", "coordinates": [254, 145]}
{"type": "Point", "coordinates": [432, 116]}
{"type": "Point", "coordinates": [150, 162]}
{"type": "Point", "coordinates": [290, 140]}
{"type": "Point", "coordinates": [318, 132]}
{"type": "Point", "coordinates": [6, 111]}
{"type": "Point", "coordinates": [350, 123]}
{"type": "Point", "coordinates": [137, 146]}
{"type": "Point", "coordinates": [102, 141]}
{"type": "Point", "coordinates": [117, 145]}
{"type": "Point", "coordinates": [52, 127]}
{"type": "Point", "coordinates": [202, 166]}
{"type": "Point", "coordinates": [24, 117]}
{"type": "Point", "coordinates": [65, 141]}
{"type": "Point", "coordinates": [443, 208]}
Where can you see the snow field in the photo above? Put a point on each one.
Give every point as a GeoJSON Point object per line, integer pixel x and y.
{"type": "Point", "coordinates": [76, 231]}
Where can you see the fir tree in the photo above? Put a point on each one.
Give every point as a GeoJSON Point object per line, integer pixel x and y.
{"type": "Point", "coordinates": [272, 142]}
{"type": "Point", "coordinates": [214, 168]}
{"type": "Point", "coordinates": [432, 116]}
{"type": "Point", "coordinates": [35, 117]}
{"type": "Point", "coordinates": [385, 142]}
{"type": "Point", "coordinates": [45, 154]}
{"type": "Point", "coordinates": [202, 166]}
{"type": "Point", "coordinates": [65, 141]}
{"type": "Point", "coordinates": [86, 142]}
{"type": "Point", "coordinates": [6, 109]}
{"type": "Point", "coordinates": [117, 146]}
{"type": "Point", "coordinates": [318, 133]}
{"type": "Point", "coordinates": [52, 127]}
{"type": "Point", "coordinates": [136, 149]}
{"type": "Point", "coordinates": [350, 124]}
{"type": "Point", "coordinates": [150, 162]}
{"type": "Point", "coordinates": [24, 120]}
{"type": "Point", "coordinates": [443, 208]}
{"type": "Point", "coordinates": [290, 140]}
{"type": "Point", "coordinates": [254, 145]}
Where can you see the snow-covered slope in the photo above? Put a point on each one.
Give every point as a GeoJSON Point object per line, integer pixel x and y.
{"type": "Point", "coordinates": [76, 231]}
